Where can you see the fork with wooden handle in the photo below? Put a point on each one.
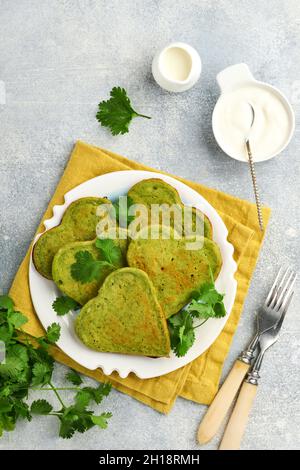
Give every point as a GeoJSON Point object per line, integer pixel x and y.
{"type": "Point", "coordinates": [266, 319]}
{"type": "Point", "coordinates": [237, 423]}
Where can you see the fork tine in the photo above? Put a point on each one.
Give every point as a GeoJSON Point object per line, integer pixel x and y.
{"type": "Point", "coordinates": [285, 291]}
{"type": "Point", "coordinates": [273, 288]}
{"type": "Point", "coordinates": [284, 311]}
{"type": "Point", "coordinates": [279, 288]}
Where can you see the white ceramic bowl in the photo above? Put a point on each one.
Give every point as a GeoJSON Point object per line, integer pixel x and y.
{"type": "Point", "coordinates": [231, 79]}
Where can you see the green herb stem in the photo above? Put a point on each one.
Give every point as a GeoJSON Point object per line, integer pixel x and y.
{"type": "Point", "coordinates": [57, 394]}
{"type": "Point", "coordinates": [142, 115]}
{"type": "Point", "coordinates": [200, 324]}
{"type": "Point", "coordinates": [46, 389]}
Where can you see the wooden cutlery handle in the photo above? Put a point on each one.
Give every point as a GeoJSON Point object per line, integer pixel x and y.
{"type": "Point", "coordinates": [237, 423]}
{"type": "Point", "coordinates": [222, 402]}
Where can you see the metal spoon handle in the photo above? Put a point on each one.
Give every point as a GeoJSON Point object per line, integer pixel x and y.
{"type": "Point", "coordinates": [255, 187]}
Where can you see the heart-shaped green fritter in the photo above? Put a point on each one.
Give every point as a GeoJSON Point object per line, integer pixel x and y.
{"type": "Point", "coordinates": [125, 317]}
{"type": "Point", "coordinates": [66, 257]}
{"type": "Point", "coordinates": [175, 270]}
{"type": "Point", "coordinates": [156, 191]}
{"type": "Point", "coordinates": [78, 224]}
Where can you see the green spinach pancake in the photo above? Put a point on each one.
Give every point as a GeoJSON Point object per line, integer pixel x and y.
{"type": "Point", "coordinates": [175, 270]}
{"type": "Point", "coordinates": [157, 191]}
{"type": "Point", "coordinates": [78, 224]}
{"type": "Point", "coordinates": [125, 317]}
{"type": "Point", "coordinates": [66, 257]}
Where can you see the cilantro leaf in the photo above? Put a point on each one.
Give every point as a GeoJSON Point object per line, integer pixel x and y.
{"type": "Point", "coordinates": [86, 268]}
{"type": "Point", "coordinates": [41, 407]}
{"type": "Point", "coordinates": [6, 302]}
{"type": "Point", "coordinates": [75, 419]}
{"type": "Point", "coordinates": [200, 310]}
{"type": "Point", "coordinates": [21, 409]}
{"type": "Point", "coordinates": [15, 368]}
{"type": "Point", "coordinates": [206, 303]}
{"type": "Point", "coordinates": [182, 333]}
{"type": "Point", "coordinates": [82, 399]}
{"type": "Point", "coordinates": [74, 377]}
{"type": "Point", "coordinates": [66, 430]}
{"type": "Point", "coordinates": [6, 333]}
{"type": "Point", "coordinates": [16, 319]}
{"type": "Point", "coordinates": [101, 420]}
{"type": "Point", "coordinates": [117, 112]}
{"type": "Point", "coordinates": [88, 394]}
{"type": "Point", "coordinates": [64, 304]}
{"type": "Point", "coordinates": [53, 333]}
{"type": "Point", "coordinates": [219, 309]}
{"type": "Point", "coordinates": [41, 373]}
{"type": "Point", "coordinates": [110, 251]}
{"type": "Point", "coordinates": [121, 210]}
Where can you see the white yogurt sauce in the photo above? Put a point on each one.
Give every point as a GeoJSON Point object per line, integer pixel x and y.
{"type": "Point", "coordinates": [232, 121]}
{"type": "Point", "coordinates": [176, 63]}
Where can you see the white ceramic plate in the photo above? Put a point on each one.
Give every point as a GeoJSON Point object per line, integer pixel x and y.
{"type": "Point", "coordinates": [44, 292]}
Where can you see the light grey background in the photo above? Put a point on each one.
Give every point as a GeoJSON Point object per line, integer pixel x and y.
{"type": "Point", "coordinates": [58, 59]}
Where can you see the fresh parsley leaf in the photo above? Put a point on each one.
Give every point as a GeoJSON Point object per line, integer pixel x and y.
{"type": "Point", "coordinates": [87, 268]}
{"type": "Point", "coordinates": [110, 251]}
{"type": "Point", "coordinates": [6, 302]}
{"type": "Point", "coordinates": [117, 112]}
{"type": "Point", "coordinates": [74, 377]}
{"type": "Point", "coordinates": [101, 420]}
{"type": "Point", "coordinates": [41, 407]}
{"type": "Point", "coordinates": [64, 304]}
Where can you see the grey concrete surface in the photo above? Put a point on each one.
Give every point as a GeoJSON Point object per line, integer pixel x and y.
{"type": "Point", "coordinates": [58, 59]}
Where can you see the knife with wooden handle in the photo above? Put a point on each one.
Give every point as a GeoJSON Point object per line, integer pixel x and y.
{"type": "Point", "coordinates": [222, 402]}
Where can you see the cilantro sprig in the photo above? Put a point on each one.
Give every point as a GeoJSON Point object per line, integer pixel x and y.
{"type": "Point", "coordinates": [29, 366]}
{"type": "Point", "coordinates": [87, 268]}
{"type": "Point", "coordinates": [64, 304]}
{"type": "Point", "coordinates": [117, 112]}
{"type": "Point", "coordinates": [206, 303]}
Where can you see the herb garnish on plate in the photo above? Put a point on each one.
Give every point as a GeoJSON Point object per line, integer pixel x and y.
{"type": "Point", "coordinates": [64, 304]}
{"type": "Point", "coordinates": [206, 303]}
{"type": "Point", "coordinates": [87, 268]}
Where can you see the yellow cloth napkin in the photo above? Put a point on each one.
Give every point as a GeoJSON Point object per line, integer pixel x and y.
{"type": "Point", "coordinates": [198, 381]}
